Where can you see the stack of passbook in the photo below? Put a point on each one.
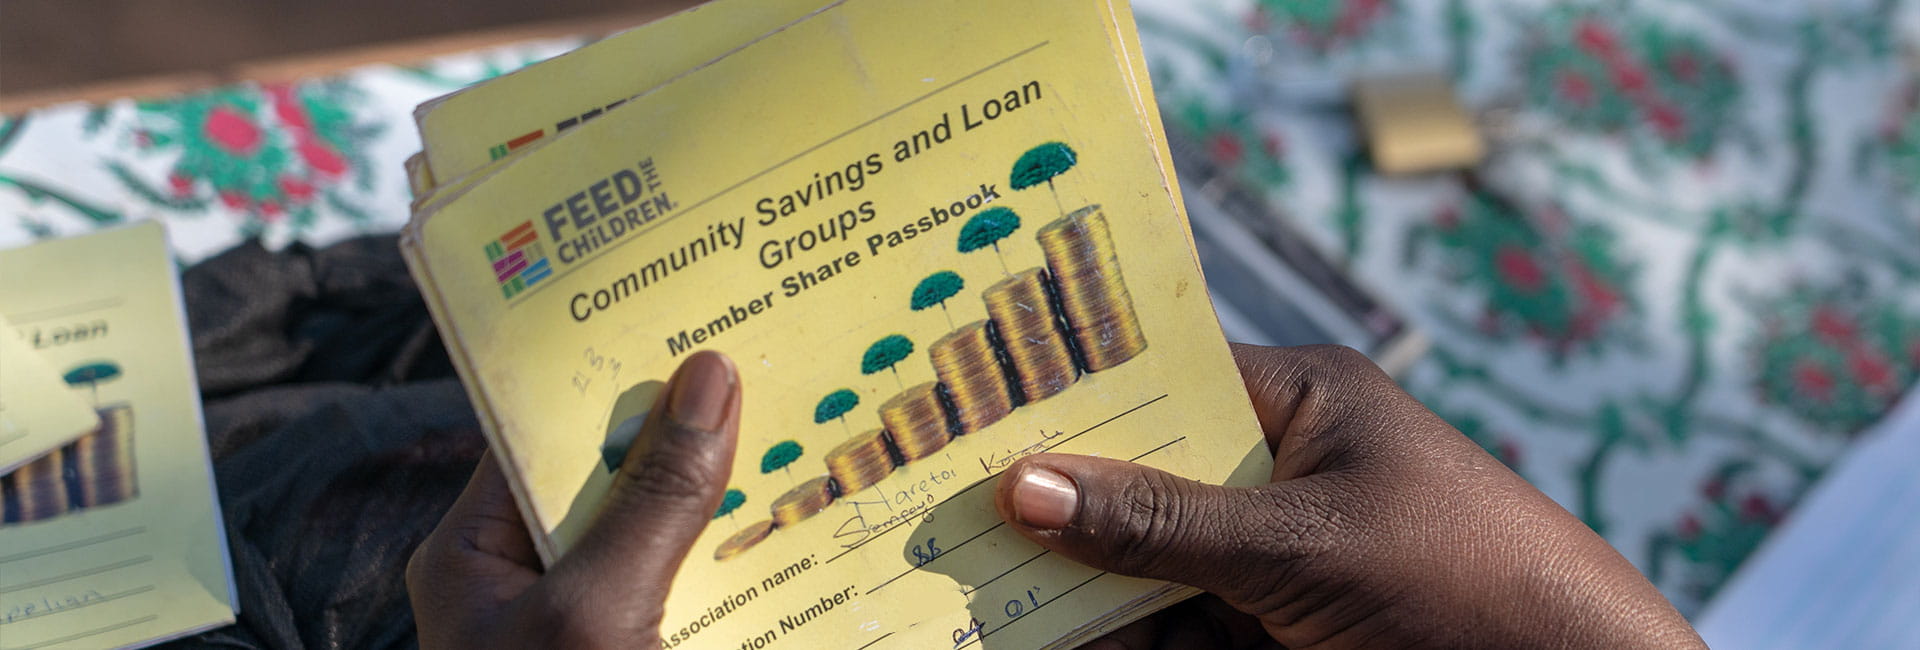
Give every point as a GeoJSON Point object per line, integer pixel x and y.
{"type": "Point", "coordinates": [935, 237]}
{"type": "Point", "coordinates": [110, 533]}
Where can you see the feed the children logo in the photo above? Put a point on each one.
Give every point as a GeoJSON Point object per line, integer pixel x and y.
{"type": "Point", "coordinates": [519, 262]}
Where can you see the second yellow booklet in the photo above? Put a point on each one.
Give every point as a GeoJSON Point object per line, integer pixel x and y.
{"type": "Point", "coordinates": [935, 236]}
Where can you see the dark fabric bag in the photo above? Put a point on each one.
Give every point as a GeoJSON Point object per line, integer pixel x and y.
{"type": "Point", "coordinates": [339, 436]}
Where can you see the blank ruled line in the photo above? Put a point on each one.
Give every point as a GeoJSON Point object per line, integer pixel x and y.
{"type": "Point", "coordinates": [1150, 452]}
{"type": "Point", "coordinates": [109, 597]}
{"type": "Point", "coordinates": [75, 637]}
{"type": "Point", "coordinates": [76, 574]}
{"type": "Point", "coordinates": [78, 543]}
{"type": "Point", "coordinates": [23, 318]}
{"type": "Point", "coordinates": [869, 644]}
{"type": "Point", "coordinates": [989, 478]}
{"type": "Point", "coordinates": [987, 633]}
{"type": "Point", "coordinates": [1003, 574]}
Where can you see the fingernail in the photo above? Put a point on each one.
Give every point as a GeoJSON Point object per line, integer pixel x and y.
{"type": "Point", "coordinates": [701, 392]}
{"type": "Point", "coordinates": [1043, 498]}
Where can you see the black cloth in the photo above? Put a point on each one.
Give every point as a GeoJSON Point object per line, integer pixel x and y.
{"type": "Point", "coordinates": [339, 436]}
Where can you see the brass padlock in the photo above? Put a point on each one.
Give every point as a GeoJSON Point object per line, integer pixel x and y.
{"type": "Point", "coordinates": [1414, 124]}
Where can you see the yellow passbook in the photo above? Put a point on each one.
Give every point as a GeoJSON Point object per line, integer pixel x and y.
{"type": "Point", "coordinates": [936, 237]}
{"type": "Point", "coordinates": [472, 127]}
{"type": "Point", "coordinates": [113, 539]}
{"type": "Point", "coordinates": [37, 410]}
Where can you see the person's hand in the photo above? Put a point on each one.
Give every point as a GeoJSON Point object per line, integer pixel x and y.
{"type": "Point", "coordinates": [1383, 527]}
{"type": "Point", "coordinates": [476, 581]}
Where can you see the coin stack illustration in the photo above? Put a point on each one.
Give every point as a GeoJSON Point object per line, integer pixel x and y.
{"type": "Point", "coordinates": [803, 502]}
{"type": "Point", "coordinates": [103, 459]}
{"type": "Point", "coordinates": [916, 422]}
{"type": "Point", "coordinates": [1028, 325]}
{"type": "Point", "coordinates": [861, 461]}
{"type": "Point", "coordinates": [968, 365]}
{"type": "Point", "coordinates": [1093, 299]}
{"type": "Point", "coordinates": [1045, 328]}
{"type": "Point", "coordinates": [94, 470]}
{"type": "Point", "coordinates": [37, 490]}
{"type": "Point", "coordinates": [743, 540]}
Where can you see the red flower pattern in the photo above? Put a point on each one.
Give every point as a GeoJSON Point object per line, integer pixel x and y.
{"type": "Point", "coordinates": [1631, 79]}
{"type": "Point", "coordinates": [1596, 39]}
{"type": "Point", "coordinates": [1757, 507]}
{"type": "Point", "coordinates": [296, 189]}
{"type": "Point", "coordinates": [320, 157]}
{"type": "Point", "coordinates": [1813, 380]}
{"type": "Point", "coordinates": [231, 131]}
{"type": "Point", "coordinates": [1667, 120]}
{"type": "Point", "coordinates": [287, 107]}
{"type": "Point", "coordinates": [1833, 326]}
{"type": "Point", "coordinates": [1684, 66]}
{"type": "Point", "coordinates": [1518, 269]}
{"type": "Point", "coordinates": [1689, 527]}
{"type": "Point", "coordinates": [1590, 69]}
{"type": "Point", "coordinates": [1226, 148]}
{"type": "Point", "coordinates": [1870, 369]}
{"type": "Point", "coordinates": [1576, 88]}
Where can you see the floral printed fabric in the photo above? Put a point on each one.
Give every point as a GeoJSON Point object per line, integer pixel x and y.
{"type": "Point", "coordinates": [1684, 280]}
{"type": "Point", "coordinates": [313, 161]}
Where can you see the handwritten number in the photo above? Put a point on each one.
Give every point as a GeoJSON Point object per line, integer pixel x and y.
{"type": "Point", "coordinates": [973, 627]}
{"type": "Point", "coordinates": [1015, 608]}
{"type": "Point", "coordinates": [597, 366]}
{"type": "Point", "coordinates": [922, 554]}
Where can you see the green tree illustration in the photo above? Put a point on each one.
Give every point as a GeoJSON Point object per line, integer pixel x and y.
{"type": "Point", "coordinates": [935, 290]}
{"type": "Point", "coordinates": [987, 229]}
{"type": "Point", "coordinates": [1040, 164]}
{"type": "Point", "coordinates": [884, 354]}
{"type": "Point", "coordinates": [92, 374]}
{"type": "Point", "coordinates": [730, 502]}
{"type": "Point", "coordinates": [835, 406]}
{"type": "Point", "coordinates": [779, 456]}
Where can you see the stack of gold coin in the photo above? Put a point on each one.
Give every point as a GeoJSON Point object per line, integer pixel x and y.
{"type": "Point", "coordinates": [802, 502]}
{"type": "Point", "coordinates": [1086, 274]}
{"type": "Point", "coordinates": [39, 489]}
{"type": "Point", "coordinates": [859, 462]}
{"type": "Point", "coordinates": [104, 459]}
{"type": "Point", "coordinates": [1024, 318]}
{"type": "Point", "coordinates": [969, 368]}
{"type": "Point", "coordinates": [916, 421]}
{"type": "Point", "coordinates": [743, 540]}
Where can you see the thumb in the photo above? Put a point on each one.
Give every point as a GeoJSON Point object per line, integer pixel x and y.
{"type": "Point", "coordinates": [1138, 521]}
{"type": "Point", "coordinates": [664, 492]}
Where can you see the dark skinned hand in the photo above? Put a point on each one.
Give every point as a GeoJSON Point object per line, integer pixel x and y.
{"type": "Point", "coordinates": [477, 583]}
{"type": "Point", "coordinates": [1383, 527]}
